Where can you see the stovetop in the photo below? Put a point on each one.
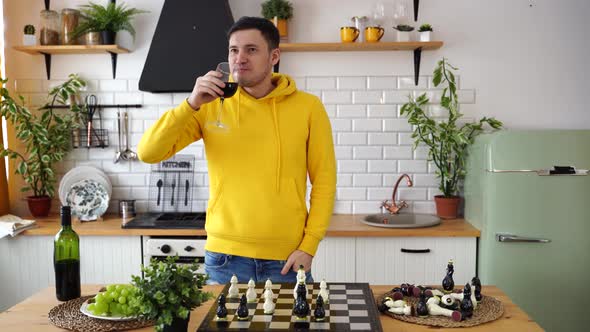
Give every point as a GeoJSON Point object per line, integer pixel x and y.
{"type": "Point", "coordinates": [171, 220]}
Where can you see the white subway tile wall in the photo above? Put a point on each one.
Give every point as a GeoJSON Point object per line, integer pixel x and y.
{"type": "Point", "coordinates": [373, 143]}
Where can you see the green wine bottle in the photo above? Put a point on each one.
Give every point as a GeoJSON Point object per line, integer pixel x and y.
{"type": "Point", "coordinates": [66, 259]}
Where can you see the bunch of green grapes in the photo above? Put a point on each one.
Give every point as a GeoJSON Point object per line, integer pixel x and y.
{"type": "Point", "coordinates": [117, 300]}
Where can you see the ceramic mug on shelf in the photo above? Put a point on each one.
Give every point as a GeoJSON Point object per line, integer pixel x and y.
{"type": "Point", "coordinates": [349, 34]}
{"type": "Point", "coordinates": [374, 34]}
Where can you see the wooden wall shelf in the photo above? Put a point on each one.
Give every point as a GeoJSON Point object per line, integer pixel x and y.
{"type": "Point", "coordinates": [416, 47]}
{"type": "Point", "coordinates": [48, 50]}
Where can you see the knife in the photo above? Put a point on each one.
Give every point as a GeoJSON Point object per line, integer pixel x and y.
{"type": "Point", "coordinates": [173, 187]}
{"type": "Point", "coordinates": [186, 193]}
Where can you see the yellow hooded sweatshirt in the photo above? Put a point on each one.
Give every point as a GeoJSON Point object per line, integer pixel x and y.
{"type": "Point", "coordinates": [258, 169]}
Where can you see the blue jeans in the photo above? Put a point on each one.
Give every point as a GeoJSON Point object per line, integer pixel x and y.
{"type": "Point", "coordinates": [220, 268]}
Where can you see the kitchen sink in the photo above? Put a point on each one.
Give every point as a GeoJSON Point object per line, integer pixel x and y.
{"type": "Point", "coordinates": [401, 220]}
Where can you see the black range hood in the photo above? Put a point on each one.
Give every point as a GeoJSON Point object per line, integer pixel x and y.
{"type": "Point", "coordinates": [190, 40]}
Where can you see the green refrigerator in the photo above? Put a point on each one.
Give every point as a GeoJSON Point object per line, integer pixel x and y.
{"type": "Point", "coordinates": [529, 194]}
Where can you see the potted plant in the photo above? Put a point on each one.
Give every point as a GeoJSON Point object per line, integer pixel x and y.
{"type": "Point", "coordinates": [29, 38]}
{"type": "Point", "coordinates": [425, 32]}
{"type": "Point", "coordinates": [168, 292]}
{"type": "Point", "coordinates": [46, 138]}
{"type": "Point", "coordinates": [403, 32]}
{"type": "Point", "coordinates": [447, 140]}
{"type": "Point", "coordinates": [108, 20]}
{"type": "Point", "coordinates": [278, 11]}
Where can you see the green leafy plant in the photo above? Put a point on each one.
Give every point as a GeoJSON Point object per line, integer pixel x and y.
{"type": "Point", "coordinates": [29, 29]}
{"type": "Point", "coordinates": [46, 134]}
{"type": "Point", "coordinates": [425, 27]}
{"type": "Point", "coordinates": [111, 17]}
{"type": "Point", "coordinates": [282, 9]}
{"type": "Point", "coordinates": [169, 290]}
{"type": "Point", "coordinates": [447, 141]}
{"type": "Point", "coordinates": [404, 27]}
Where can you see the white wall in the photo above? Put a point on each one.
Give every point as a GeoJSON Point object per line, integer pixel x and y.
{"type": "Point", "coordinates": [523, 62]}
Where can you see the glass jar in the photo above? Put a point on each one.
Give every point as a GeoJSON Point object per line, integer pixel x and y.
{"type": "Point", "coordinates": [49, 33]}
{"type": "Point", "coordinates": [69, 23]}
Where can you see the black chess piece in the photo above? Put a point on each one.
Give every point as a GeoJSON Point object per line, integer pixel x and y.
{"type": "Point", "coordinates": [301, 308]}
{"type": "Point", "coordinates": [448, 283]}
{"type": "Point", "coordinates": [421, 308]}
{"type": "Point", "coordinates": [466, 304]}
{"type": "Point", "coordinates": [319, 313]}
{"type": "Point", "coordinates": [221, 309]}
{"type": "Point", "coordinates": [477, 291]}
{"type": "Point", "coordinates": [242, 311]}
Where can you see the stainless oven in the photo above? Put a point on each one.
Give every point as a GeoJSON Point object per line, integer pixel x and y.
{"type": "Point", "coordinates": [188, 249]}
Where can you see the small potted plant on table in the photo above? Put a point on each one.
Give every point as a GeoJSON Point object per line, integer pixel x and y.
{"type": "Point", "coordinates": [29, 38]}
{"type": "Point", "coordinates": [425, 31]}
{"type": "Point", "coordinates": [404, 32]}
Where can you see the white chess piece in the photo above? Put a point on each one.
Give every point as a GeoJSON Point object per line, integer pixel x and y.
{"type": "Point", "coordinates": [251, 293]}
{"type": "Point", "coordinates": [269, 305]}
{"type": "Point", "coordinates": [405, 310]}
{"type": "Point", "coordinates": [459, 297]}
{"type": "Point", "coordinates": [435, 310]}
{"type": "Point", "coordinates": [324, 291]}
{"type": "Point", "coordinates": [395, 304]}
{"type": "Point", "coordinates": [268, 286]}
{"type": "Point", "coordinates": [233, 292]}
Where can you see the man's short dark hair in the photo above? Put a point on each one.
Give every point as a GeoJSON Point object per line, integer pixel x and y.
{"type": "Point", "coordinates": [266, 28]}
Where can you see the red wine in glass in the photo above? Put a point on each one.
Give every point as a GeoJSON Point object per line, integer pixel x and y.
{"type": "Point", "coordinates": [230, 89]}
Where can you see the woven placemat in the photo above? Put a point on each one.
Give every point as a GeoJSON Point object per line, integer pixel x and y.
{"type": "Point", "coordinates": [489, 309]}
{"type": "Point", "coordinates": [68, 316]}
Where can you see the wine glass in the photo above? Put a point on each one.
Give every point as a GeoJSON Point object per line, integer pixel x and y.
{"type": "Point", "coordinates": [228, 91]}
{"type": "Point", "coordinates": [378, 14]}
{"type": "Point", "coordinates": [401, 12]}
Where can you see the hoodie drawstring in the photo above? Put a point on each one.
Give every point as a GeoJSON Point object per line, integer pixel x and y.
{"type": "Point", "coordinates": [278, 139]}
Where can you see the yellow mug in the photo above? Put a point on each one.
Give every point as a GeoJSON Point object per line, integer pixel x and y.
{"type": "Point", "coordinates": [349, 34]}
{"type": "Point", "coordinates": [374, 34]}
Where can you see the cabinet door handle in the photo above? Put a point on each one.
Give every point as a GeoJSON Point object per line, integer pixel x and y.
{"type": "Point", "coordinates": [416, 251]}
{"type": "Point", "coordinates": [516, 238]}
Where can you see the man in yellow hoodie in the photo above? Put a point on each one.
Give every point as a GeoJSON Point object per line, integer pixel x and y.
{"type": "Point", "coordinates": [258, 225]}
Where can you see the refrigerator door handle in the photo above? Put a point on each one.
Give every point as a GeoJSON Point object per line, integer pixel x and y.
{"type": "Point", "coordinates": [515, 238]}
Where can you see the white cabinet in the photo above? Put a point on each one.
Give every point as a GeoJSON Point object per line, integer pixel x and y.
{"type": "Point", "coordinates": [380, 261]}
{"type": "Point", "coordinates": [335, 260]}
{"type": "Point", "coordinates": [26, 263]}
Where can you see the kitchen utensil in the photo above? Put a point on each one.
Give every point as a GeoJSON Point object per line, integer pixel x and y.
{"type": "Point", "coordinates": [173, 187]}
{"type": "Point", "coordinates": [186, 193]}
{"type": "Point", "coordinates": [159, 184]}
{"type": "Point", "coordinates": [90, 109]}
{"type": "Point", "coordinates": [128, 154]}
{"type": "Point", "coordinates": [119, 155]}
{"type": "Point", "coordinates": [127, 208]}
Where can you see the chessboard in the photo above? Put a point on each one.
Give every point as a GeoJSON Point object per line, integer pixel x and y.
{"type": "Point", "coordinates": [351, 308]}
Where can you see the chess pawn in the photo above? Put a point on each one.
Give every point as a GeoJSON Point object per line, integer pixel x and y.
{"type": "Point", "coordinates": [476, 284]}
{"type": "Point", "coordinates": [233, 291]}
{"type": "Point", "coordinates": [221, 313]}
{"type": "Point", "coordinates": [324, 291]}
{"type": "Point", "coordinates": [300, 280]}
{"type": "Point", "coordinates": [466, 303]}
{"type": "Point", "coordinates": [319, 313]}
{"type": "Point", "coordinates": [268, 284]}
{"type": "Point", "coordinates": [435, 310]}
{"type": "Point", "coordinates": [301, 308]}
{"type": "Point", "coordinates": [421, 308]}
{"type": "Point", "coordinates": [242, 311]}
{"type": "Point", "coordinates": [251, 292]}
{"type": "Point", "coordinates": [269, 305]}
{"type": "Point", "coordinates": [406, 310]}
{"type": "Point", "coordinates": [448, 283]}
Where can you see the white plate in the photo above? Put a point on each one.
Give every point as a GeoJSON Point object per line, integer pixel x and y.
{"type": "Point", "coordinates": [84, 310]}
{"type": "Point", "coordinates": [82, 173]}
{"type": "Point", "coordinates": [88, 199]}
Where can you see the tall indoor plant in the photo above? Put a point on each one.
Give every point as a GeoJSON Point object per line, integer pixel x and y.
{"type": "Point", "coordinates": [168, 292]}
{"type": "Point", "coordinates": [108, 20]}
{"type": "Point", "coordinates": [46, 136]}
{"type": "Point", "coordinates": [278, 11]}
{"type": "Point", "coordinates": [446, 139]}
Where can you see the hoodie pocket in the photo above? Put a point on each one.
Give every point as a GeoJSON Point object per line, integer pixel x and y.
{"type": "Point", "coordinates": [297, 194]}
{"type": "Point", "coordinates": [216, 192]}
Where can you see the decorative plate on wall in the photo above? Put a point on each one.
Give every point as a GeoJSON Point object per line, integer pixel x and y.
{"type": "Point", "coordinates": [88, 199]}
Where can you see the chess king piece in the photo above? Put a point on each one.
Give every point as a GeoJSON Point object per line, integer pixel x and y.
{"type": "Point", "coordinates": [221, 309]}
{"type": "Point", "coordinates": [300, 280]}
{"type": "Point", "coordinates": [324, 291]}
{"type": "Point", "coordinates": [476, 284]}
{"type": "Point", "coordinates": [269, 305]}
{"type": "Point", "coordinates": [233, 291]}
{"type": "Point", "coordinates": [242, 311]}
{"type": "Point", "coordinates": [421, 308]}
{"type": "Point", "coordinates": [466, 303]}
{"type": "Point", "coordinates": [448, 283]}
{"type": "Point", "coordinates": [301, 308]}
{"type": "Point", "coordinates": [251, 292]}
{"type": "Point", "coordinates": [319, 313]}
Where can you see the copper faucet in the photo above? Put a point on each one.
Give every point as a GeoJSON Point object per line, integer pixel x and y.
{"type": "Point", "coordinates": [394, 207]}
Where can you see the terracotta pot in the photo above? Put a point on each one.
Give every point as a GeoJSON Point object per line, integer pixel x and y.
{"type": "Point", "coordinates": [447, 207]}
{"type": "Point", "coordinates": [282, 27]}
{"type": "Point", "coordinates": [39, 205]}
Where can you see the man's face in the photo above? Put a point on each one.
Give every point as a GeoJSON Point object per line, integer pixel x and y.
{"type": "Point", "coordinates": [249, 58]}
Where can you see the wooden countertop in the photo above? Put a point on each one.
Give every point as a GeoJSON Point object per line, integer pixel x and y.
{"type": "Point", "coordinates": [342, 225]}
{"type": "Point", "coordinates": [31, 314]}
